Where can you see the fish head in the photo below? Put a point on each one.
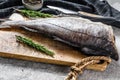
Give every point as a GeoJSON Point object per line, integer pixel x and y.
{"type": "Point", "coordinates": [114, 55]}
{"type": "Point", "coordinates": [113, 51]}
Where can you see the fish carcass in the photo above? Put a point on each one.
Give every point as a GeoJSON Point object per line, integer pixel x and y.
{"type": "Point", "coordinates": [92, 38]}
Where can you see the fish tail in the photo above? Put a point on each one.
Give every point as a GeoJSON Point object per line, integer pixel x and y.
{"type": "Point", "coordinates": [2, 21]}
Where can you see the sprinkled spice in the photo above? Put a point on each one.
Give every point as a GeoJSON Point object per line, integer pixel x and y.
{"type": "Point", "coordinates": [32, 2]}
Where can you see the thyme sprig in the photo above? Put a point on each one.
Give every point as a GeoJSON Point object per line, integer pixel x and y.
{"type": "Point", "coordinates": [34, 14]}
{"type": "Point", "coordinates": [38, 47]}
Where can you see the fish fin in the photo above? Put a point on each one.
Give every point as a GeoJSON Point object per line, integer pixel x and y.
{"type": "Point", "coordinates": [66, 42]}
{"type": "Point", "coordinates": [29, 29]}
{"type": "Point", "coordinates": [91, 52]}
{"type": "Point", "coordinates": [2, 27]}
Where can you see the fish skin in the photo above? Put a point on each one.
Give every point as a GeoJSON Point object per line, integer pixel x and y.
{"type": "Point", "coordinates": [93, 38]}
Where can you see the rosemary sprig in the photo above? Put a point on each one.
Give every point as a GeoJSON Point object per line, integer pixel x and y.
{"type": "Point", "coordinates": [34, 45]}
{"type": "Point", "coordinates": [34, 14]}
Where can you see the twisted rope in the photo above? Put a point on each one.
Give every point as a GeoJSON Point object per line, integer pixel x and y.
{"type": "Point", "coordinates": [78, 67]}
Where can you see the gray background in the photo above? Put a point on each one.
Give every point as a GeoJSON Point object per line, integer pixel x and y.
{"type": "Point", "coordinates": [11, 69]}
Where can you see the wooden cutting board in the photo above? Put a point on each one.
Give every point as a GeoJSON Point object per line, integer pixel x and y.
{"type": "Point", "coordinates": [64, 54]}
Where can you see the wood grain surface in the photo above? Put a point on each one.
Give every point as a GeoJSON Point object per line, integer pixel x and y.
{"type": "Point", "coordinates": [64, 54]}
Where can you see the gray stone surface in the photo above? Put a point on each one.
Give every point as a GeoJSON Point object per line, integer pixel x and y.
{"type": "Point", "coordinates": [11, 69]}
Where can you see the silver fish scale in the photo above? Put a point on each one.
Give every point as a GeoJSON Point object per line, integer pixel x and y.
{"type": "Point", "coordinates": [83, 26]}
{"type": "Point", "coordinates": [73, 29]}
{"type": "Point", "coordinates": [77, 31]}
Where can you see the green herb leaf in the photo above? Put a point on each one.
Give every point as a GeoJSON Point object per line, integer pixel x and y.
{"type": "Point", "coordinates": [34, 45]}
{"type": "Point", "coordinates": [34, 14]}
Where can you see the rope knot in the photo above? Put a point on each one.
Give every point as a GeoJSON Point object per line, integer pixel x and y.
{"type": "Point", "coordinates": [78, 67]}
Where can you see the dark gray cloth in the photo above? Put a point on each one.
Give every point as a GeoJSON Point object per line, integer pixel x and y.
{"type": "Point", "coordinates": [110, 15]}
{"type": "Point", "coordinates": [6, 7]}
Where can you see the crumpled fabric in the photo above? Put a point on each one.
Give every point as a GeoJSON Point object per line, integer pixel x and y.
{"type": "Point", "coordinates": [109, 15]}
{"type": "Point", "coordinates": [6, 7]}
